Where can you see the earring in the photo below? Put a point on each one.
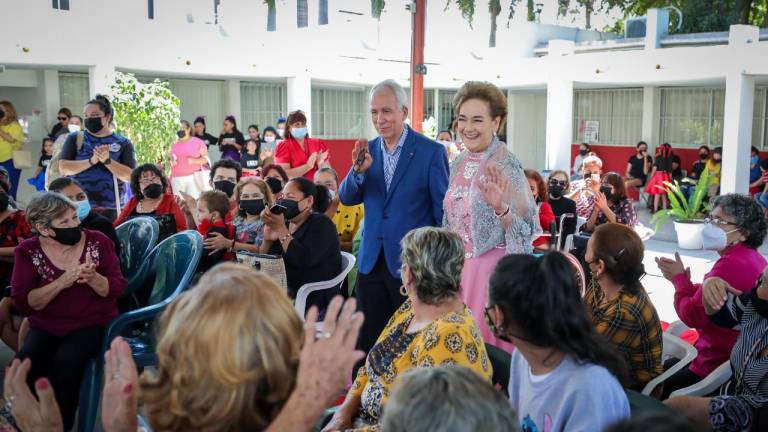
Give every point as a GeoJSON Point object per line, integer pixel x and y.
{"type": "Point", "coordinates": [403, 291]}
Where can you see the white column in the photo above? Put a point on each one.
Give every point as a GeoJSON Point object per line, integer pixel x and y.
{"type": "Point", "coordinates": [232, 101]}
{"type": "Point", "coordinates": [100, 78]}
{"type": "Point", "coordinates": [52, 97]}
{"type": "Point", "coordinates": [370, 129]}
{"type": "Point", "coordinates": [650, 122]}
{"type": "Point", "coordinates": [300, 96]}
{"type": "Point", "coordinates": [656, 26]}
{"type": "Point", "coordinates": [737, 132]}
{"type": "Point", "coordinates": [559, 124]}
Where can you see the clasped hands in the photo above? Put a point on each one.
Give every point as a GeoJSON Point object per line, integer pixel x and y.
{"type": "Point", "coordinates": [100, 154]}
{"type": "Point", "coordinates": [84, 273]}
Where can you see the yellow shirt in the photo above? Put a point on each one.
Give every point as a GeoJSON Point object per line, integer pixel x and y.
{"type": "Point", "coordinates": [347, 220]}
{"type": "Point", "coordinates": [451, 339]}
{"type": "Point", "coordinates": [714, 172]}
{"type": "Point", "coordinates": [6, 148]}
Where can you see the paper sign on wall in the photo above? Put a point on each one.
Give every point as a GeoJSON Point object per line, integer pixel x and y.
{"type": "Point", "coordinates": [591, 131]}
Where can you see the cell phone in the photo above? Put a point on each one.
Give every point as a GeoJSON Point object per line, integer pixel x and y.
{"type": "Point", "coordinates": [361, 157]}
{"type": "Point", "coordinates": [595, 177]}
{"type": "Point", "coordinates": [277, 209]}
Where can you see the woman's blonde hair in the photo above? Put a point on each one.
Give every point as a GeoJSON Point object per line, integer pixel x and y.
{"type": "Point", "coordinates": [228, 353]}
{"type": "Point", "coordinates": [44, 207]}
{"type": "Point", "coordinates": [10, 112]}
{"type": "Point", "coordinates": [269, 199]}
{"type": "Point", "coordinates": [435, 257]}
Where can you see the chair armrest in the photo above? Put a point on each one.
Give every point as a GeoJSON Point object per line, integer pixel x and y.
{"type": "Point", "coordinates": [122, 321]}
{"type": "Point", "coordinates": [709, 384]}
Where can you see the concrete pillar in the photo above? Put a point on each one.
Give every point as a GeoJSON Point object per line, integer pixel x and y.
{"type": "Point", "coordinates": [656, 26]}
{"type": "Point", "coordinates": [737, 132]}
{"type": "Point", "coordinates": [650, 121]}
{"type": "Point", "coordinates": [300, 96]}
{"type": "Point", "coordinates": [100, 78]}
{"type": "Point", "coordinates": [559, 124]}
{"type": "Point", "coordinates": [370, 129]}
{"type": "Point", "coordinates": [232, 100]}
{"type": "Point", "coordinates": [52, 97]}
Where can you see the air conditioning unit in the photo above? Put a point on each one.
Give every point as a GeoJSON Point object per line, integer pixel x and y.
{"type": "Point", "coordinates": [634, 27]}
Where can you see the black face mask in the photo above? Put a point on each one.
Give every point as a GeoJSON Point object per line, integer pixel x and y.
{"type": "Point", "coordinates": [275, 185]}
{"type": "Point", "coordinates": [556, 191]}
{"type": "Point", "coordinates": [292, 208]}
{"type": "Point", "coordinates": [606, 190]}
{"type": "Point", "coordinates": [717, 161]}
{"type": "Point", "coordinates": [153, 191]}
{"type": "Point", "coordinates": [67, 236]}
{"type": "Point", "coordinates": [703, 156]}
{"type": "Point", "coordinates": [641, 151]}
{"type": "Point", "coordinates": [225, 186]}
{"type": "Point", "coordinates": [583, 152]}
{"type": "Point", "coordinates": [2, 114]}
{"type": "Point", "coordinates": [93, 124]}
{"type": "Point", "coordinates": [252, 207]}
{"type": "Point", "coordinates": [181, 134]}
{"type": "Point", "coordinates": [4, 200]}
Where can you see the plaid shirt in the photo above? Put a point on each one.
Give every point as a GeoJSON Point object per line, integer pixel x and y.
{"type": "Point", "coordinates": [631, 323]}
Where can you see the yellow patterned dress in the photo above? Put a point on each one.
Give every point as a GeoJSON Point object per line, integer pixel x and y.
{"type": "Point", "coordinates": [452, 339]}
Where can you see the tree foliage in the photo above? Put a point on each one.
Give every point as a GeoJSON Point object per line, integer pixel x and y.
{"type": "Point", "coordinates": [148, 114]}
{"type": "Point", "coordinates": [705, 15]}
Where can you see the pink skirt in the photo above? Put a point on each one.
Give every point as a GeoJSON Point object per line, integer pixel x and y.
{"type": "Point", "coordinates": [474, 292]}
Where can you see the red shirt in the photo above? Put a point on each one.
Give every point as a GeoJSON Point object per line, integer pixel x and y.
{"type": "Point", "coordinates": [167, 206]}
{"type": "Point", "coordinates": [289, 152]}
{"type": "Point", "coordinates": [546, 217]}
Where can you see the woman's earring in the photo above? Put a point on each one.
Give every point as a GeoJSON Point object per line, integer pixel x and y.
{"type": "Point", "coordinates": [403, 291]}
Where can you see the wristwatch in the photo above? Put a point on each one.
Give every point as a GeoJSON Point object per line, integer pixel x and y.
{"type": "Point", "coordinates": [108, 161]}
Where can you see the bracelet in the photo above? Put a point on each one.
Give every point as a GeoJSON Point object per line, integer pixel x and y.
{"type": "Point", "coordinates": [503, 214]}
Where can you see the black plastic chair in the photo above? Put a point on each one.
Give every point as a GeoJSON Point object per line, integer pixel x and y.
{"type": "Point", "coordinates": [501, 361]}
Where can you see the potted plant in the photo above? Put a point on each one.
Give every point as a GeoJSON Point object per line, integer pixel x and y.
{"type": "Point", "coordinates": [686, 214]}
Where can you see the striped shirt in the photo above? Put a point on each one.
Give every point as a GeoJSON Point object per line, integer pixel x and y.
{"type": "Point", "coordinates": [749, 357]}
{"type": "Point", "coordinates": [390, 159]}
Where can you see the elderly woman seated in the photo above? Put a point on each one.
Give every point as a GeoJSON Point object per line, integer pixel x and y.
{"type": "Point", "coordinates": [740, 400]}
{"type": "Point", "coordinates": [433, 327]}
{"type": "Point", "coordinates": [736, 229]}
{"type": "Point", "coordinates": [67, 281]}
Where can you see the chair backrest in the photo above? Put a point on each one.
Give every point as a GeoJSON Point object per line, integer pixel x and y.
{"type": "Point", "coordinates": [347, 262]}
{"type": "Point", "coordinates": [561, 233]}
{"type": "Point", "coordinates": [172, 264]}
{"type": "Point", "coordinates": [677, 348]}
{"type": "Point", "coordinates": [137, 237]}
{"type": "Point", "coordinates": [501, 362]}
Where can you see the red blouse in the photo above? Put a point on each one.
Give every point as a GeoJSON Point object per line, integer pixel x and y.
{"type": "Point", "coordinates": [289, 152]}
{"type": "Point", "coordinates": [546, 217]}
{"type": "Point", "coordinates": [167, 206]}
{"type": "Point", "coordinates": [77, 306]}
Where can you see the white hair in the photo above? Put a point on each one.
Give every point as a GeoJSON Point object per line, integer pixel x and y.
{"type": "Point", "coordinates": [400, 95]}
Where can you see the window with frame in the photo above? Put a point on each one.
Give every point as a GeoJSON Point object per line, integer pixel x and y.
{"type": "Point", "coordinates": [262, 103]}
{"type": "Point", "coordinates": [760, 118]}
{"type": "Point", "coordinates": [60, 4]}
{"type": "Point", "coordinates": [618, 113]}
{"type": "Point", "coordinates": [692, 116]}
{"type": "Point", "coordinates": [338, 113]}
{"type": "Point", "coordinates": [445, 109]}
{"type": "Point", "coordinates": [73, 91]}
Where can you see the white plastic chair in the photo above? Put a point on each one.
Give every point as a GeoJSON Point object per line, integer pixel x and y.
{"type": "Point", "coordinates": [677, 328]}
{"type": "Point", "coordinates": [709, 384]}
{"type": "Point", "coordinates": [347, 262]}
{"type": "Point", "coordinates": [568, 245]}
{"type": "Point", "coordinates": [673, 347]}
{"type": "Point", "coordinates": [644, 232]}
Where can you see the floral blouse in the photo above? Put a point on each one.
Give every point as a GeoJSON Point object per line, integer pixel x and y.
{"type": "Point", "coordinates": [348, 221]}
{"type": "Point", "coordinates": [251, 233]}
{"type": "Point", "coordinates": [452, 339]}
{"type": "Point", "coordinates": [624, 211]}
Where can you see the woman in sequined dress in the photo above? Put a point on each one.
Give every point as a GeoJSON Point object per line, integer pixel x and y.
{"type": "Point", "coordinates": [488, 203]}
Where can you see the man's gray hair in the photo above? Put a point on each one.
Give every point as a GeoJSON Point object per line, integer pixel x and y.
{"type": "Point", "coordinates": [446, 398]}
{"type": "Point", "coordinates": [400, 95]}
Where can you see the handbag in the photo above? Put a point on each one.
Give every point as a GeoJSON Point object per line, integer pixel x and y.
{"type": "Point", "coordinates": [22, 159]}
{"type": "Point", "coordinates": [271, 265]}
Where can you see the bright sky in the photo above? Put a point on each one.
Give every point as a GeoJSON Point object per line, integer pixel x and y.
{"type": "Point", "coordinates": [549, 15]}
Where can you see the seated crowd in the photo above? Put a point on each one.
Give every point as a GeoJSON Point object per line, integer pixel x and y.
{"type": "Point", "coordinates": [481, 319]}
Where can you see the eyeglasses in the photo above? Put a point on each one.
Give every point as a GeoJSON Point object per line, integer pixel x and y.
{"type": "Point", "coordinates": [150, 180]}
{"type": "Point", "coordinates": [63, 118]}
{"type": "Point", "coordinates": [717, 221]}
{"type": "Point", "coordinates": [558, 182]}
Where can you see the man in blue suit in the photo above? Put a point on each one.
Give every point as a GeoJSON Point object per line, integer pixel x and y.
{"type": "Point", "coordinates": [401, 178]}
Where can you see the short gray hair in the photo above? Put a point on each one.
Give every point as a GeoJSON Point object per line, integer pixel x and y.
{"type": "Point", "coordinates": [435, 257]}
{"type": "Point", "coordinates": [328, 170]}
{"type": "Point", "coordinates": [749, 216]}
{"type": "Point", "coordinates": [400, 95]}
{"type": "Point", "coordinates": [45, 207]}
{"type": "Point", "coordinates": [446, 398]}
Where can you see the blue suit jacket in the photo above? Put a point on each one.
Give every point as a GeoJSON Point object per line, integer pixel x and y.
{"type": "Point", "coordinates": [415, 198]}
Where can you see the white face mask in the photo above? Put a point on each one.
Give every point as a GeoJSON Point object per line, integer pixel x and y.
{"type": "Point", "coordinates": [73, 128]}
{"type": "Point", "coordinates": [280, 132]}
{"type": "Point", "coordinates": [714, 238]}
{"type": "Point", "coordinates": [332, 194]}
{"type": "Point", "coordinates": [269, 139]}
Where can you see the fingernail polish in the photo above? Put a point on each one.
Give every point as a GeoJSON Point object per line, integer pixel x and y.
{"type": "Point", "coordinates": [42, 384]}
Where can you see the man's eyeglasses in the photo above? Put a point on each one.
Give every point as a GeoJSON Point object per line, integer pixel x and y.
{"type": "Point", "coordinates": [63, 118]}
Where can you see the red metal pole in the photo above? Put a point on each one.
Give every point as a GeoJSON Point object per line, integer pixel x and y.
{"type": "Point", "coordinates": [418, 70]}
